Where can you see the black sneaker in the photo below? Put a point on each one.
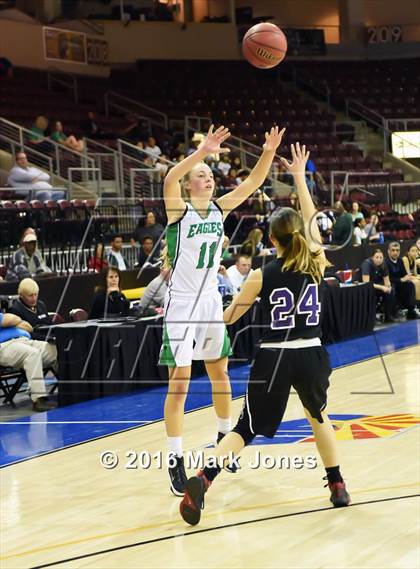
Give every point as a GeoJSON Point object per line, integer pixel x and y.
{"type": "Point", "coordinates": [339, 495]}
{"type": "Point", "coordinates": [232, 468]}
{"type": "Point", "coordinates": [178, 477]}
{"type": "Point", "coordinates": [412, 315]}
{"type": "Point", "coordinates": [193, 501]}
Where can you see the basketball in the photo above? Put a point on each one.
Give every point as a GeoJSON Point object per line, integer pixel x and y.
{"type": "Point", "coordinates": [264, 45]}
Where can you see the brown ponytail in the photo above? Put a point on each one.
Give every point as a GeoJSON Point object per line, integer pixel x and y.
{"type": "Point", "coordinates": [286, 226]}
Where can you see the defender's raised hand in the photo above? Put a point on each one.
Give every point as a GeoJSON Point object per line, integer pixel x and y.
{"type": "Point", "coordinates": [214, 139]}
{"type": "Point", "coordinates": [300, 157]}
{"type": "Point", "coordinates": [273, 138]}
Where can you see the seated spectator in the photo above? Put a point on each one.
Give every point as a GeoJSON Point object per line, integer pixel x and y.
{"type": "Point", "coordinates": [154, 295]}
{"type": "Point", "coordinates": [149, 254]}
{"type": "Point", "coordinates": [359, 234]}
{"type": "Point", "coordinates": [152, 149]}
{"type": "Point", "coordinates": [402, 282]}
{"type": "Point", "coordinates": [195, 143]}
{"type": "Point", "coordinates": [374, 270]}
{"type": "Point", "coordinates": [27, 261]}
{"type": "Point", "coordinates": [343, 227]}
{"type": "Point", "coordinates": [71, 141]}
{"type": "Point", "coordinates": [411, 267]}
{"type": "Point", "coordinates": [236, 163]}
{"type": "Point", "coordinates": [294, 201]}
{"type": "Point", "coordinates": [38, 137]}
{"type": "Point", "coordinates": [108, 297]}
{"type": "Point", "coordinates": [28, 307]}
{"type": "Point", "coordinates": [28, 178]}
{"type": "Point", "coordinates": [231, 180]}
{"type": "Point", "coordinates": [238, 272]}
{"type": "Point", "coordinates": [91, 128]}
{"type": "Point", "coordinates": [224, 165]}
{"type": "Point", "coordinates": [115, 258]}
{"type": "Point", "coordinates": [223, 282]}
{"type": "Point", "coordinates": [98, 261]}
{"type": "Point", "coordinates": [18, 350]}
{"type": "Point", "coordinates": [253, 245]}
{"type": "Point", "coordinates": [149, 228]}
{"type": "Point", "coordinates": [355, 213]}
{"type": "Point", "coordinates": [324, 221]}
{"type": "Point", "coordinates": [371, 231]}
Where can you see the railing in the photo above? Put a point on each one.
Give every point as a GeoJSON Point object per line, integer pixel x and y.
{"type": "Point", "coordinates": [145, 183]}
{"type": "Point", "coordinates": [346, 184]}
{"type": "Point", "coordinates": [124, 104]}
{"type": "Point", "coordinates": [88, 175]}
{"type": "Point", "coordinates": [63, 157]}
{"type": "Point", "coordinates": [408, 199]}
{"type": "Point", "coordinates": [64, 79]}
{"type": "Point", "coordinates": [131, 156]}
{"type": "Point", "coordinates": [34, 157]}
{"type": "Point", "coordinates": [402, 124]}
{"type": "Point", "coordinates": [27, 193]}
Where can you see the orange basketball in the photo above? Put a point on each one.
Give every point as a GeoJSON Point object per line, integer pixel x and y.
{"type": "Point", "coordinates": [264, 45]}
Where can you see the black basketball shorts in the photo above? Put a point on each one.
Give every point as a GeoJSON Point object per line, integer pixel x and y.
{"type": "Point", "coordinates": [273, 373]}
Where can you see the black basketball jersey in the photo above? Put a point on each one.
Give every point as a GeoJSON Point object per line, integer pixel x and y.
{"type": "Point", "coordinates": [291, 304]}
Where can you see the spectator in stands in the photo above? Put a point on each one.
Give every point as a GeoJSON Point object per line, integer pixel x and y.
{"type": "Point", "coordinates": [152, 149]}
{"type": "Point", "coordinates": [28, 306]}
{"type": "Point", "coordinates": [27, 261]}
{"type": "Point", "coordinates": [371, 231]}
{"type": "Point", "coordinates": [38, 136]}
{"type": "Point", "coordinates": [236, 163]}
{"type": "Point", "coordinates": [374, 270]}
{"type": "Point", "coordinates": [355, 213]}
{"type": "Point", "coordinates": [284, 176]}
{"type": "Point", "coordinates": [149, 253]}
{"type": "Point", "coordinates": [359, 234]}
{"type": "Point", "coordinates": [238, 272]}
{"type": "Point", "coordinates": [195, 143]}
{"type": "Point", "coordinates": [150, 228]}
{"type": "Point", "coordinates": [411, 267]}
{"type": "Point", "coordinates": [92, 129]}
{"type": "Point", "coordinates": [71, 141]}
{"type": "Point", "coordinates": [27, 178]}
{"type": "Point", "coordinates": [223, 282]}
{"type": "Point", "coordinates": [115, 257]}
{"type": "Point", "coordinates": [98, 261]}
{"type": "Point", "coordinates": [324, 221]}
{"type": "Point", "coordinates": [231, 180]}
{"type": "Point", "coordinates": [402, 282]}
{"type": "Point", "coordinates": [154, 295]}
{"type": "Point", "coordinates": [253, 245]}
{"type": "Point", "coordinates": [343, 227]}
{"type": "Point", "coordinates": [294, 201]}
{"type": "Point", "coordinates": [18, 350]}
{"type": "Point", "coordinates": [108, 297]}
{"type": "Point", "coordinates": [224, 165]}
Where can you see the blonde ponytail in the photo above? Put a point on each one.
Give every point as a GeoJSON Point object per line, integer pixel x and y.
{"type": "Point", "coordinates": [298, 257]}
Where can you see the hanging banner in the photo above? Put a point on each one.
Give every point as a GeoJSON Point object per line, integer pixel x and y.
{"type": "Point", "coordinates": [64, 45]}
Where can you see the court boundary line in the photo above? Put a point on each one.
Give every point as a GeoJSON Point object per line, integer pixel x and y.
{"type": "Point", "coordinates": [26, 459]}
{"type": "Point", "coordinates": [216, 528]}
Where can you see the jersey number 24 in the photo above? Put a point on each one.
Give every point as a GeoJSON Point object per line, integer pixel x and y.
{"type": "Point", "coordinates": [284, 305]}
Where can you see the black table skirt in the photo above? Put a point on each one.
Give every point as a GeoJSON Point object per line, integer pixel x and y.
{"type": "Point", "coordinates": [95, 361]}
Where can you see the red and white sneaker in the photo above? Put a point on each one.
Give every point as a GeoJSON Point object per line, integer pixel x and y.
{"type": "Point", "coordinates": [193, 501]}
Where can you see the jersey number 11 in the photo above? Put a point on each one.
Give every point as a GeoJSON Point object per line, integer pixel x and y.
{"type": "Point", "coordinates": [203, 251]}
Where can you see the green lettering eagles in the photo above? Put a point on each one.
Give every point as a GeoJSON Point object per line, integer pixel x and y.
{"type": "Point", "coordinates": [209, 228]}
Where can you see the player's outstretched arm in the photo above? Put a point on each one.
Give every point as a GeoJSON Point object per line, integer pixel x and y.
{"type": "Point", "coordinates": [257, 176]}
{"type": "Point", "coordinates": [297, 168]}
{"type": "Point", "coordinates": [243, 301]}
{"type": "Point", "coordinates": [174, 203]}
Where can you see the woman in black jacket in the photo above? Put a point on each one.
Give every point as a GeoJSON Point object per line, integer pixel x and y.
{"type": "Point", "coordinates": [108, 298]}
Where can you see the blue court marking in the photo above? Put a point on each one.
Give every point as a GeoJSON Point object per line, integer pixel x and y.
{"type": "Point", "coordinates": [28, 437]}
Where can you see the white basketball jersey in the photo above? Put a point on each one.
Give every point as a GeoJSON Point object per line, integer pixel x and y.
{"type": "Point", "coordinates": [194, 250]}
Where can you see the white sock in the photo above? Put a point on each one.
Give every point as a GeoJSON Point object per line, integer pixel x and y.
{"type": "Point", "coordinates": [224, 425]}
{"type": "Point", "coordinates": [175, 445]}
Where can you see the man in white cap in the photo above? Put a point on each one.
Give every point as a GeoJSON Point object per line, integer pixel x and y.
{"type": "Point", "coordinates": [27, 261]}
{"type": "Point", "coordinates": [18, 350]}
